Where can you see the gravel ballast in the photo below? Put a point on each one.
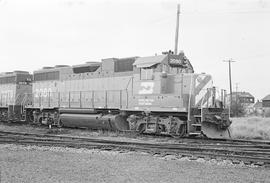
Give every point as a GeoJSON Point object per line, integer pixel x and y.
{"type": "Point", "coordinates": [55, 164]}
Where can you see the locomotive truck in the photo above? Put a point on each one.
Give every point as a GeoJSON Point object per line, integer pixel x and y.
{"type": "Point", "coordinates": [158, 94]}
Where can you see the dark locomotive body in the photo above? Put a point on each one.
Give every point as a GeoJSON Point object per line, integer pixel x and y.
{"type": "Point", "coordinates": [158, 94]}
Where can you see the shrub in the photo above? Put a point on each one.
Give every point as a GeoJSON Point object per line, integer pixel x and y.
{"type": "Point", "coordinates": [237, 109]}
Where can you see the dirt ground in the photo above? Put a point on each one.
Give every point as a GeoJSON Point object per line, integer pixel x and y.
{"type": "Point", "coordinates": [54, 164]}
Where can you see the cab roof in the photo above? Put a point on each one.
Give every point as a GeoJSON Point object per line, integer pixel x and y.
{"type": "Point", "coordinates": [149, 61]}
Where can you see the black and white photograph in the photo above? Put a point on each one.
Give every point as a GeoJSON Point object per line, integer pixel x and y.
{"type": "Point", "coordinates": [119, 91]}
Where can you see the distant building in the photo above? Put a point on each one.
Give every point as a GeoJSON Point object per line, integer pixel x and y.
{"type": "Point", "coordinates": [244, 98]}
{"type": "Point", "coordinates": [242, 103]}
{"type": "Point", "coordinates": [266, 101]}
{"type": "Point", "coordinates": [266, 105]}
{"type": "Point", "coordinates": [263, 108]}
{"type": "Point", "coordinates": [258, 109]}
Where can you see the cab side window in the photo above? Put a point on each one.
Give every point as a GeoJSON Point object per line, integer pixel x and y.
{"type": "Point", "coordinates": [164, 68]}
{"type": "Point", "coordinates": [175, 70]}
{"type": "Point", "coordinates": [147, 73]}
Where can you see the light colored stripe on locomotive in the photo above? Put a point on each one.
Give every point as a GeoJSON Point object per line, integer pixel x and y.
{"type": "Point", "coordinates": [202, 93]}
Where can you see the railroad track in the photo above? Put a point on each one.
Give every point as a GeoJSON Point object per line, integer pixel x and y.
{"type": "Point", "coordinates": [249, 152]}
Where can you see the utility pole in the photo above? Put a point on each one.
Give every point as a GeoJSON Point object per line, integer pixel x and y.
{"type": "Point", "coordinates": [177, 30]}
{"type": "Point", "coordinates": [230, 80]}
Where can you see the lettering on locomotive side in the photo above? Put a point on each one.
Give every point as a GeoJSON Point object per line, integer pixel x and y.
{"type": "Point", "coordinates": [143, 101]}
{"type": "Point", "coordinates": [146, 88]}
{"type": "Point", "coordinates": [175, 61]}
{"type": "Point", "coordinates": [43, 92]}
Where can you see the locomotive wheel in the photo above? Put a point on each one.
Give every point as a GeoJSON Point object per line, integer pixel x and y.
{"type": "Point", "coordinates": [182, 130]}
{"type": "Point", "coordinates": [60, 123]}
{"type": "Point", "coordinates": [142, 128]}
{"type": "Point", "coordinates": [30, 117]}
{"type": "Point", "coordinates": [40, 120]}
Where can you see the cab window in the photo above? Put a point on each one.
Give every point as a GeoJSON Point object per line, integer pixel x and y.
{"type": "Point", "coordinates": [147, 73]}
{"type": "Point", "coordinates": [164, 68]}
{"type": "Point", "coordinates": [175, 70]}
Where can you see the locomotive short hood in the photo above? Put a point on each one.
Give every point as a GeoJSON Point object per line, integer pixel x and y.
{"type": "Point", "coordinates": [168, 59]}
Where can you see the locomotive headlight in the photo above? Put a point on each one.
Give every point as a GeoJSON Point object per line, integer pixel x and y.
{"type": "Point", "coordinates": [164, 74]}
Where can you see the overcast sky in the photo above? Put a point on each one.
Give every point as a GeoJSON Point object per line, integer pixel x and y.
{"type": "Point", "coordinates": [37, 33]}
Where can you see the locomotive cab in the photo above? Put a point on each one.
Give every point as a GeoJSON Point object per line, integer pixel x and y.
{"type": "Point", "coordinates": [159, 83]}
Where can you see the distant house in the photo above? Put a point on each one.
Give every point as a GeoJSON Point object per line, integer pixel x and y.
{"type": "Point", "coordinates": [263, 108]}
{"type": "Point", "coordinates": [258, 109]}
{"type": "Point", "coordinates": [266, 101]}
{"type": "Point", "coordinates": [266, 105]}
{"type": "Point", "coordinates": [244, 98]}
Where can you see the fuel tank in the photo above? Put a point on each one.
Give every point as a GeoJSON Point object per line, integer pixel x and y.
{"type": "Point", "coordinates": [95, 121]}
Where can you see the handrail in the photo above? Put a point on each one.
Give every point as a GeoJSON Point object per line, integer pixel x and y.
{"type": "Point", "coordinates": [131, 79]}
{"type": "Point", "coordinates": [202, 105]}
{"type": "Point", "coordinates": [16, 101]}
{"type": "Point", "coordinates": [23, 100]}
{"type": "Point", "coordinates": [91, 93]}
{"type": "Point", "coordinates": [189, 99]}
{"type": "Point", "coordinates": [26, 96]}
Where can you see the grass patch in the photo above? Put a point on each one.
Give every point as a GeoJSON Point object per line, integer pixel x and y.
{"type": "Point", "coordinates": [251, 128]}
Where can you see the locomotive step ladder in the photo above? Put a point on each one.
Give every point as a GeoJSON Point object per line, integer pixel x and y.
{"type": "Point", "coordinates": [197, 124]}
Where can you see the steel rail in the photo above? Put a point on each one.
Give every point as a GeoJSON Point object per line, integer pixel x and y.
{"type": "Point", "coordinates": [251, 147]}
{"type": "Point", "coordinates": [255, 155]}
{"type": "Point", "coordinates": [156, 150]}
{"type": "Point", "coordinates": [195, 139]}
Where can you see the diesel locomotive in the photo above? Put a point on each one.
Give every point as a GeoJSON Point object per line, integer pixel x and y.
{"type": "Point", "coordinates": [158, 94]}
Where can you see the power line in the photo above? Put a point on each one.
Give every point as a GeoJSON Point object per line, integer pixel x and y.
{"type": "Point", "coordinates": [229, 12]}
